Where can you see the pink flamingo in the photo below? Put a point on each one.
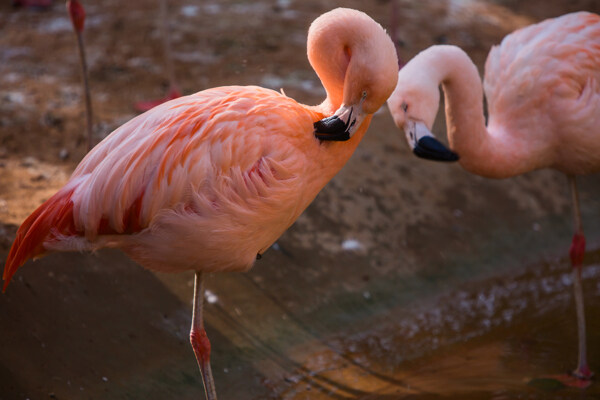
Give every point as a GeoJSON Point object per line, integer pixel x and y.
{"type": "Point", "coordinates": [542, 84]}
{"type": "Point", "coordinates": [208, 182]}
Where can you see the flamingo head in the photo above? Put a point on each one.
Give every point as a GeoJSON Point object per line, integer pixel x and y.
{"type": "Point", "coordinates": [413, 106]}
{"type": "Point", "coordinates": [357, 63]}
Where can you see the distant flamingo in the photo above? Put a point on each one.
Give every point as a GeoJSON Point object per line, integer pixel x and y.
{"type": "Point", "coordinates": [542, 85]}
{"type": "Point", "coordinates": [208, 182]}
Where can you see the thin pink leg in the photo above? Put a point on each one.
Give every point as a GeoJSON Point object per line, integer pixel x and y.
{"type": "Point", "coordinates": [199, 340]}
{"type": "Point", "coordinates": [576, 254]}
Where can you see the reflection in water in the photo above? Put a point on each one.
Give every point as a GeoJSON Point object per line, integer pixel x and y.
{"type": "Point", "coordinates": [497, 339]}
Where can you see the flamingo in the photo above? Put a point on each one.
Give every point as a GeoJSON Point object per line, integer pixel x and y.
{"type": "Point", "coordinates": [208, 182]}
{"type": "Point", "coordinates": [542, 85]}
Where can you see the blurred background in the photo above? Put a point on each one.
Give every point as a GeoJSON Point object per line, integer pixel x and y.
{"type": "Point", "coordinates": [405, 279]}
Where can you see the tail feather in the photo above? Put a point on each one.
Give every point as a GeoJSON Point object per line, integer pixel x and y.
{"type": "Point", "coordinates": [53, 217]}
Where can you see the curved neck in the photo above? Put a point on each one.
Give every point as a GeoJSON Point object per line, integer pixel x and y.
{"type": "Point", "coordinates": [330, 59]}
{"type": "Point", "coordinates": [492, 152]}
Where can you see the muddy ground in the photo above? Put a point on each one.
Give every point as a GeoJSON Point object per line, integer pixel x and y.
{"type": "Point", "coordinates": [313, 319]}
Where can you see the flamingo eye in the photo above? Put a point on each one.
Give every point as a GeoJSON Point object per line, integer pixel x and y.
{"type": "Point", "coordinates": [404, 107]}
{"type": "Point", "coordinates": [364, 94]}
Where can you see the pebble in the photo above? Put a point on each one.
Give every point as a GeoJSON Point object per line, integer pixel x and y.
{"type": "Point", "coordinates": [211, 298]}
{"type": "Point", "coordinates": [28, 162]}
{"type": "Point", "coordinates": [351, 244]}
{"type": "Point", "coordinates": [63, 154]}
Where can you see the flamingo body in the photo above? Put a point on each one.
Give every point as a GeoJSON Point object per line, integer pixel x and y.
{"type": "Point", "coordinates": [225, 170]}
{"type": "Point", "coordinates": [542, 85]}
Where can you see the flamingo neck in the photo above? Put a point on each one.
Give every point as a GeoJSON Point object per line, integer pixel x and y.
{"type": "Point", "coordinates": [491, 151]}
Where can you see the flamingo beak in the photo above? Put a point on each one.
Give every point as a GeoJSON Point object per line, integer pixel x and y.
{"type": "Point", "coordinates": [424, 144]}
{"type": "Point", "coordinates": [341, 125]}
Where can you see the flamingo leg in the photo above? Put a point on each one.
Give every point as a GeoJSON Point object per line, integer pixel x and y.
{"type": "Point", "coordinates": [576, 254]}
{"type": "Point", "coordinates": [199, 339]}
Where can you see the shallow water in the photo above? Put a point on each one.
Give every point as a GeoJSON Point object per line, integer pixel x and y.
{"type": "Point", "coordinates": [79, 330]}
{"type": "Point", "coordinates": [503, 338]}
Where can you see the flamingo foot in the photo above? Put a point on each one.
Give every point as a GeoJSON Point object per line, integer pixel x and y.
{"type": "Point", "coordinates": [201, 346]}
{"type": "Point", "coordinates": [570, 380]}
{"type": "Point", "coordinates": [583, 373]}
{"type": "Point", "coordinates": [143, 106]}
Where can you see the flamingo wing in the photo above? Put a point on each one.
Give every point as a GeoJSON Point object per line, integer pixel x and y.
{"type": "Point", "coordinates": [543, 80]}
{"type": "Point", "coordinates": [543, 67]}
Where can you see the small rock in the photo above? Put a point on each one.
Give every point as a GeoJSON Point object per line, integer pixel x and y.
{"type": "Point", "coordinates": [189, 11]}
{"type": "Point", "coordinates": [211, 298]}
{"type": "Point", "coordinates": [291, 379]}
{"type": "Point", "coordinates": [28, 162]}
{"type": "Point", "coordinates": [63, 154]}
{"type": "Point", "coordinates": [351, 244]}
{"type": "Point", "coordinates": [52, 120]}
{"type": "Point", "coordinates": [38, 178]}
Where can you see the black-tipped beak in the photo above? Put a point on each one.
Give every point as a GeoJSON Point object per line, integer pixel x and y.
{"type": "Point", "coordinates": [430, 148]}
{"type": "Point", "coordinates": [331, 128]}
{"type": "Point", "coordinates": [341, 125]}
{"type": "Point", "coordinates": [425, 145]}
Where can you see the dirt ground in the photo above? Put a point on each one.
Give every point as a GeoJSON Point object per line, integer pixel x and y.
{"type": "Point", "coordinates": [78, 326]}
